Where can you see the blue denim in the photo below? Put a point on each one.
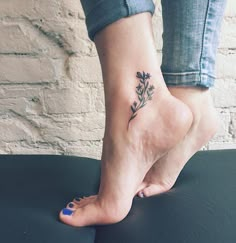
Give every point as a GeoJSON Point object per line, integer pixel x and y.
{"type": "Point", "coordinates": [190, 34]}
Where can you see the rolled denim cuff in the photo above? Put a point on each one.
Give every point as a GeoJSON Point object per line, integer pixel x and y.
{"type": "Point", "coordinates": [197, 79]}
{"type": "Point", "coordinates": [101, 13]}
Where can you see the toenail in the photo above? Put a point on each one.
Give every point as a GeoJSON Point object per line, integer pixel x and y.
{"type": "Point", "coordinates": [67, 211]}
{"type": "Point", "coordinates": [141, 194]}
{"type": "Point", "coordinates": [71, 205]}
{"type": "Point", "coordinates": [77, 199]}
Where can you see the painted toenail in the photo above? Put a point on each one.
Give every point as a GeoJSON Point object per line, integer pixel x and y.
{"type": "Point", "coordinates": [71, 205]}
{"type": "Point", "coordinates": [67, 211]}
{"type": "Point", "coordinates": [77, 199]}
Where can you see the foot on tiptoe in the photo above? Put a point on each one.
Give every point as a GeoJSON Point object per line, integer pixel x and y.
{"type": "Point", "coordinates": [163, 174]}
{"type": "Point", "coordinates": [135, 137]}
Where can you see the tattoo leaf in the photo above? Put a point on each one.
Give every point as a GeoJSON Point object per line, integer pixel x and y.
{"type": "Point", "coordinates": [133, 109]}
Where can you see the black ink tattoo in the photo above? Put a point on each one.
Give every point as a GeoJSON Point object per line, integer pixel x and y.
{"type": "Point", "coordinates": [144, 92]}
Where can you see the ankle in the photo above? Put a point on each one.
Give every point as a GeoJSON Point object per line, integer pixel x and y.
{"type": "Point", "coordinates": [130, 94]}
{"type": "Point", "coordinates": [205, 118]}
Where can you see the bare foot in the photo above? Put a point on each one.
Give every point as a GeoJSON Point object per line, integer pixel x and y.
{"type": "Point", "coordinates": [163, 174]}
{"type": "Point", "coordinates": [165, 171]}
{"type": "Point", "coordinates": [127, 156]}
{"type": "Point", "coordinates": [135, 137]}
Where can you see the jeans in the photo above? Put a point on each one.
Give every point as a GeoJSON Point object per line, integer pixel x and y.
{"type": "Point", "coordinates": [190, 34]}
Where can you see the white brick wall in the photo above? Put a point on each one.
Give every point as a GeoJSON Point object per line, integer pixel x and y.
{"type": "Point", "coordinates": [51, 91]}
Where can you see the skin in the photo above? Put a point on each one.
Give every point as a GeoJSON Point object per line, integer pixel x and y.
{"type": "Point", "coordinates": [164, 173]}
{"type": "Point", "coordinates": [136, 152]}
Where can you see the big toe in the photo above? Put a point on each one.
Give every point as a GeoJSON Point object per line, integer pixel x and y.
{"type": "Point", "coordinates": [81, 216]}
{"type": "Point", "coordinates": [152, 190]}
{"type": "Point", "coordinates": [90, 214]}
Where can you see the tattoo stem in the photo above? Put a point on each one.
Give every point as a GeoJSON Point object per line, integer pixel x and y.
{"type": "Point", "coordinates": [144, 92]}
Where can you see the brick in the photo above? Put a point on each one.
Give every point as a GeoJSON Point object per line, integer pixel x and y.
{"type": "Point", "coordinates": [100, 100]}
{"type": "Point", "coordinates": [31, 8]}
{"type": "Point", "coordinates": [21, 106]}
{"type": "Point", "coordinates": [68, 100]}
{"type": "Point", "coordinates": [69, 35]}
{"type": "Point", "coordinates": [13, 130]}
{"type": "Point", "coordinates": [230, 8]}
{"type": "Point", "coordinates": [14, 91]}
{"type": "Point", "coordinates": [85, 149]}
{"type": "Point", "coordinates": [47, 9]}
{"type": "Point", "coordinates": [232, 127]}
{"type": "Point", "coordinates": [85, 127]}
{"type": "Point", "coordinates": [3, 149]}
{"type": "Point", "coordinates": [17, 148]}
{"type": "Point", "coordinates": [79, 39]}
{"type": "Point", "coordinates": [85, 69]}
{"type": "Point", "coordinates": [223, 134]}
{"type": "Point", "coordinates": [92, 121]}
{"type": "Point", "coordinates": [70, 8]}
{"type": "Point", "coordinates": [226, 65]}
{"type": "Point", "coordinates": [16, 8]}
{"type": "Point", "coordinates": [228, 33]}
{"type": "Point", "coordinates": [23, 101]}
{"type": "Point", "coordinates": [157, 31]}
{"type": "Point", "coordinates": [26, 70]}
{"type": "Point", "coordinates": [220, 145]}
{"type": "Point", "coordinates": [9, 34]}
{"type": "Point", "coordinates": [158, 8]}
{"type": "Point", "coordinates": [31, 41]}
{"type": "Point", "coordinates": [223, 93]}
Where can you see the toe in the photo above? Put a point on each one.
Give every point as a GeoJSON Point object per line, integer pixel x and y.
{"type": "Point", "coordinates": [79, 217]}
{"type": "Point", "coordinates": [152, 190]}
{"type": "Point", "coordinates": [140, 194]}
{"type": "Point", "coordinates": [71, 206]}
{"type": "Point", "coordinates": [87, 215]}
{"type": "Point", "coordinates": [76, 200]}
{"type": "Point", "coordinates": [92, 214]}
{"type": "Point", "coordinates": [84, 201]}
{"type": "Point", "coordinates": [142, 186]}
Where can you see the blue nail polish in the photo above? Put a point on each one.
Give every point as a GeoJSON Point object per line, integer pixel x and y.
{"type": "Point", "coordinates": [77, 199]}
{"type": "Point", "coordinates": [71, 205]}
{"type": "Point", "coordinates": [67, 211]}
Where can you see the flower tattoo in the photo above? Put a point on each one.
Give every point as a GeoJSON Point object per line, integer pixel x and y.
{"type": "Point", "coordinates": [144, 91]}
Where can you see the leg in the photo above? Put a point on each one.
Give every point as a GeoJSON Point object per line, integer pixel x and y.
{"type": "Point", "coordinates": [190, 43]}
{"type": "Point", "coordinates": [131, 146]}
